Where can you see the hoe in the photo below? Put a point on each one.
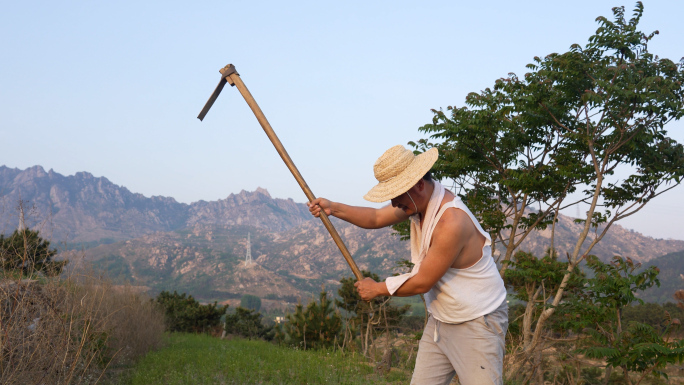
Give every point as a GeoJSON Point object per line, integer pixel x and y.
{"type": "Point", "coordinates": [230, 75]}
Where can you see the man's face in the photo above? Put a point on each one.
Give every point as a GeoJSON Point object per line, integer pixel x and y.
{"type": "Point", "coordinates": [404, 203]}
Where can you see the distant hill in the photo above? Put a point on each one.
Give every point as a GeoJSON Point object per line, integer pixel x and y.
{"type": "Point", "coordinates": [209, 261]}
{"type": "Point", "coordinates": [618, 241]}
{"type": "Point", "coordinates": [198, 247]}
{"type": "Point", "coordinates": [671, 278]}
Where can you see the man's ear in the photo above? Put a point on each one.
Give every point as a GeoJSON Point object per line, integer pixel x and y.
{"type": "Point", "coordinates": [421, 185]}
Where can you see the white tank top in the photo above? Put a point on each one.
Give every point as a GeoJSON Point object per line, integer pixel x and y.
{"type": "Point", "coordinates": [465, 294]}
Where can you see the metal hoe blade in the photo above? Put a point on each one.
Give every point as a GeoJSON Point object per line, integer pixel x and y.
{"type": "Point", "coordinates": [225, 72]}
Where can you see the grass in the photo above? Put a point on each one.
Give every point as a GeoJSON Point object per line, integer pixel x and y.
{"type": "Point", "coordinates": [201, 359]}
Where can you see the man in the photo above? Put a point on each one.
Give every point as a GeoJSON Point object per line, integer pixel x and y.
{"type": "Point", "coordinates": [453, 267]}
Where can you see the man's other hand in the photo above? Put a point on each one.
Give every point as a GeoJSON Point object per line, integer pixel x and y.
{"type": "Point", "coordinates": [320, 203]}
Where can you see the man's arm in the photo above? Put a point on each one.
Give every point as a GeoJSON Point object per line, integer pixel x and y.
{"type": "Point", "coordinates": [448, 240]}
{"type": "Point", "coordinates": [365, 217]}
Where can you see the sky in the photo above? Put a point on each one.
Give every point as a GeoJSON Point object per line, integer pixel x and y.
{"type": "Point", "coordinates": [114, 88]}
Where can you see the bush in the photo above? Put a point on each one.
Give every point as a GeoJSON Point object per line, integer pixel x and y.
{"type": "Point", "coordinates": [249, 301]}
{"type": "Point", "coordinates": [247, 323]}
{"type": "Point", "coordinates": [185, 314]}
{"type": "Point", "coordinates": [60, 330]}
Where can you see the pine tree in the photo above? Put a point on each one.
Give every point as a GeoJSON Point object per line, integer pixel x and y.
{"type": "Point", "coordinates": [26, 252]}
{"type": "Point", "coordinates": [317, 326]}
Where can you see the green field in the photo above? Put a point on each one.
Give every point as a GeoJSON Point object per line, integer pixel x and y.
{"type": "Point", "coordinates": [201, 359]}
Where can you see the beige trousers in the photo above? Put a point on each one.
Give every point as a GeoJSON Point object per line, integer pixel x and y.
{"type": "Point", "coordinates": [474, 350]}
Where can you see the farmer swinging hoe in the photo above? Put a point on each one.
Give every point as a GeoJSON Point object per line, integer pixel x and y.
{"type": "Point", "coordinates": [230, 75]}
{"type": "Point", "coordinates": [465, 294]}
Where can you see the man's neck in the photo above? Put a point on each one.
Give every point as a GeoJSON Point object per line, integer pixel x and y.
{"type": "Point", "coordinates": [425, 201]}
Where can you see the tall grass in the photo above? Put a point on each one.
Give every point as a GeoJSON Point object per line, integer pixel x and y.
{"type": "Point", "coordinates": [70, 330]}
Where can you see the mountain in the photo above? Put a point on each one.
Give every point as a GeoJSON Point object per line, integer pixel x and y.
{"type": "Point", "coordinates": [256, 209]}
{"type": "Point", "coordinates": [87, 209]}
{"type": "Point", "coordinates": [200, 247]}
{"type": "Point", "coordinates": [83, 208]}
{"type": "Point", "coordinates": [617, 241]}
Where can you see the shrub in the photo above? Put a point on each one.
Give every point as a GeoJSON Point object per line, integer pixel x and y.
{"type": "Point", "coordinates": [247, 323]}
{"type": "Point", "coordinates": [249, 301]}
{"type": "Point", "coordinates": [60, 330]}
{"type": "Point", "coordinates": [185, 314]}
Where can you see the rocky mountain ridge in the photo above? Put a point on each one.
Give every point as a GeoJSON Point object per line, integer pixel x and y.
{"type": "Point", "coordinates": [84, 208]}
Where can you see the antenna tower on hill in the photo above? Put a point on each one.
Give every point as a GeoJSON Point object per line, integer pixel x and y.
{"type": "Point", "coordinates": [22, 223]}
{"type": "Point", "coordinates": [248, 257]}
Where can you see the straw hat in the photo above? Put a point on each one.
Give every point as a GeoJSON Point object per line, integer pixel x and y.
{"type": "Point", "coordinates": [397, 170]}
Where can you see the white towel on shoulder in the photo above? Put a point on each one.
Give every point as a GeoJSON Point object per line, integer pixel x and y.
{"type": "Point", "coordinates": [420, 237]}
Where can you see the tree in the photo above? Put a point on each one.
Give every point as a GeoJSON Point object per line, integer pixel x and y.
{"type": "Point", "coordinates": [585, 126]}
{"type": "Point", "coordinates": [184, 314]}
{"type": "Point", "coordinates": [249, 301]}
{"type": "Point", "coordinates": [245, 323]}
{"type": "Point", "coordinates": [317, 326]}
{"type": "Point", "coordinates": [25, 251]}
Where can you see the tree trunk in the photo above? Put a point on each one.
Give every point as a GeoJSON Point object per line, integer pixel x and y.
{"type": "Point", "coordinates": [365, 348]}
{"type": "Point", "coordinates": [625, 372]}
{"type": "Point", "coordinates": [528, 318]}
{"type": "Point", "coordinates": [539, 367]}
{"type": "Point", "coordinates": [573, 260]}
{"type": "Point", "coordinates": [606, 378]}
{"type": "Point", "coordinates": [529, 314]}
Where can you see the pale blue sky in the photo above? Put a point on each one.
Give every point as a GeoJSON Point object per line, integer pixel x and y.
{"type": "Point", "coordinates": [114, 88]}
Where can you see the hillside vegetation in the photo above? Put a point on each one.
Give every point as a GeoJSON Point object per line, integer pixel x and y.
{"type": "Point", "coordinates": [671, 277]}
